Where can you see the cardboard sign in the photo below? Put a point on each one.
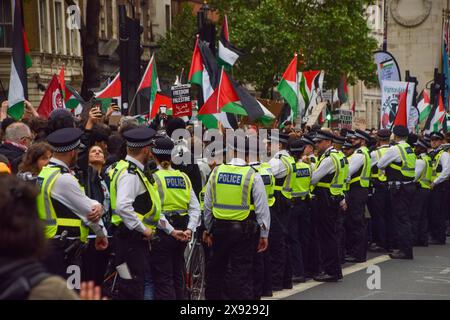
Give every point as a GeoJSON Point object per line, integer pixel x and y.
{"type": "Point", "coordinates": [314, 116]}
{"type": "Point", "coordinates": [359, 123]}
{"type": "Point", "coordinates": [181, 100]}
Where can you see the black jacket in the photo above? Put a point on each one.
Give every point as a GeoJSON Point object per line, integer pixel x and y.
{"type": "Point", "coordinates": [13, 153]}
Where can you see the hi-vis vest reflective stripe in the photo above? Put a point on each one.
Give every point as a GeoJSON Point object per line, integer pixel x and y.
{"type": "Point", "coordinates": [407, 168]}
{"type": "Point", "coordinates": [265, 170]}
{"type": "Point", "coordinates": [379, 174]}
{"type": "Point", "coordinates": [336, 186]}
{"type": "Point", "coordinates": [47, 213]}
{"type": "Point", "coordinates": [301, 181]}
{"type": "Point", "coordinates": [436, 163]}
{"type": "Point", "coordinates": [286, 188]}
{"type": "Point", "coordinates": [364, 177]}
{"type": "Point", "coordinates": [201, 196]}
{"type": "Point", "coordinates": [174, 188]}
{"type": "Point", "coordinates": [231, 191]}
{"type": "Point", "coordinates": [427, 173]}
{"type": "Point", "coordinates": [149, 219]}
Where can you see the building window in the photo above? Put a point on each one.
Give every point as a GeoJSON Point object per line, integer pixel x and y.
{"type": "Point", "coordinates": [167, 17]}
{"type": "Point", "coordinates": [5, 24]}
{"type": "Point", "coordinates": [74, 39]}
{"type": "Point", "coordinates": [60, 46]}
{"type": "Point", "coordinates": [44, 28]}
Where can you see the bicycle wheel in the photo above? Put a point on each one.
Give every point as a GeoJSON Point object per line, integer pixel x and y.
{"type": "Point", "coordinates": [196, 272]}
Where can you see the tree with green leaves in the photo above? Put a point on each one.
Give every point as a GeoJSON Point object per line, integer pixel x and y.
{"type": "Point", "coordinates": [332, 35]}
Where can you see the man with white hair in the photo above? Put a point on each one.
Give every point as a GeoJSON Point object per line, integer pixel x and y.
{"type": "Point", "coordinates": [17, 139]}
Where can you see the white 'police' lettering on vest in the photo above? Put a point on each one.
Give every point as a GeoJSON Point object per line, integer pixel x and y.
{"type": "Point", "coordinates": [302, 173]}
{"type": "Point", "coordinates": [175, 182]}
{"type": "Point", "coordinates": [230, 178]}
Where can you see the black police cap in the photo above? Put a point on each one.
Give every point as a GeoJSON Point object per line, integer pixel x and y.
{"type": "Point", "coordinates": [281, 137]}
{"type": "Point", "coordinates": [422, 143]}
{"type": "Point", "coordinates": [436, 136]}
{"type": "Point", "coordinates": [338, 140]}
{"type": "Point", "coordinates": [323, 135]}
{"type": "Point", "coordinates": [308, 139]}
{"type": "Point", "coordinates": [347, 145]}
{"type": "Point", "coordinates": [139, 137]}
{"type": "Point", "coordinates": [361, 134]}
{"type": "Point", "coordinates": [400, 131]}
{"type": "Point", "coordinates": [162, 146]}
{"type": "Point", "coordinates": [384, 134]}
{"type": "Point", "coordinates": [65, 140]}
{"type": "Point", "coordinates": [350, 134]}
{"type": "Point", "coordinates": [296, 145]}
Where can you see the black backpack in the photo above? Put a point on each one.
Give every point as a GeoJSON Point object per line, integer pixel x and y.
{"type": "Point", "coordinates": [18, 278]}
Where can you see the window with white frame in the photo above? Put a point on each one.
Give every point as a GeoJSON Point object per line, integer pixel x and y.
{"type": "Point", "coordinates": [44, 26]}
{"type": "Point", "coordinates": [74, 40]}
{"type": "Point", "coordinates": [60, 45]}
{"type": "Point", "coordinates": [5, 24]}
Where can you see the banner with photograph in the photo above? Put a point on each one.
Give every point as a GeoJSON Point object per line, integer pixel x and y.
{"type": "Point", "coordinates": [389, 103]}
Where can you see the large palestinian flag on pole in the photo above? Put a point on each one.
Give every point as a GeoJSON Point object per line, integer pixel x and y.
{"type": "Point", "coordinates": [288, 87]}
{"type": "Point", "coordinates": [149, 88]}
{"type": "Point", "coordinates": [228, 54]}
{"type": "Point", "coordinates": [112, 91]}
{"type": "Point", "coordinates": [435, 121]}
{"type": "Point", "coordinates": [424, 105]}
{"type": "Point", "coordinates": [20, 62]}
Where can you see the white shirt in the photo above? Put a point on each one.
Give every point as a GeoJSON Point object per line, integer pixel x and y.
{"type": "Point", "coordinates": [373, 154]}
{"type": "Point", "coordinates": [193, 213]}
{"type": "Point", "coordinates": [67, 191]}
{"type": "Point", "coordinates": [205, 170]}
{"type": "Point", "coordinates": [420, 166]}
{"type": "Point", "coordinates": [326, 167]}
{"type": "Point", "coordinates": [129, 187]}
{"type": "Point", "coordinates": [278, 168]}
{"type": "Point", "coordinates": [260, 202]}
{"type": "Point", "coordinates": [445, 163]}
{"type": "Point", "coordinates": [355, 162]}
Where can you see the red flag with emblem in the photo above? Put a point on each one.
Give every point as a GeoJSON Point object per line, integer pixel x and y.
{"type": "Point", "coordinates": [52, 99]}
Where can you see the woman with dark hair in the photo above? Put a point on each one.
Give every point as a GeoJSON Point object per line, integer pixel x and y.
{"type": "Point", "coordinates": [96, 186]}
{"type": "Point", "coordinates": [36, 157]}
{"type": "Point", "coordinates": [179, 219]}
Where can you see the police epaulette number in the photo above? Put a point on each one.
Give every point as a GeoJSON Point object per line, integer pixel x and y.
{"type": "Point", "coordinates": [132, 168]}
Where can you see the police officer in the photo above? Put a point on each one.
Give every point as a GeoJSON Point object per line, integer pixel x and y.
{"type": "Point", "coordinates": [328, 179]}
{"type": "Point", "coordinates": [282, 165]}
{"type": "Point", "coordinates": [355, 221]}
{"type": "Point", "coordinates": [63, 207]}
{"type": "Point", "coordinates": [309, 148]}
{"type": "Point", "coordinates": [182, 210]}
{"type": "Point", "coordinates": [419, 209]}
{"type": "Point", "coordinates": [300, 217]}
{"type": "Point", "coordinates": [136, 210]}
{"type": "Point", "coordinates": [231, 225]}
{"type": "Point", "coordinates": [439, 189]}
{"type": "Point", "coordinates": [379, 202]}
{"type": "Point", "coordinates": [399, 162]}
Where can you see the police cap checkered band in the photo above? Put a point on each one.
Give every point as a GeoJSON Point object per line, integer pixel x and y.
{"type": "Point", "coordinates": [323, 135]}
{"type": "Point", "coordinates": [422, 143]}
{"type": "Point", "coordinates": [67, 148]}
{"type": "Point", "coordinates": [162, 151]}
{"type": "Point", "coordinates": [140, 144]}
{"type": "Point", "coordinates": [65, 140]}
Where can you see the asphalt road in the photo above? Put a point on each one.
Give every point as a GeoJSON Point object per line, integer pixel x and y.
{"type": "Point", "coordinates": [427, 277]}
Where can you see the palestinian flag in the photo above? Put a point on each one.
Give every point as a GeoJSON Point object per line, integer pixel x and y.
{"type": "Point", "coordinates": [52, 99]}
{"type": "Point", "coordinates": [20, 62]}
{"type": "Point", "coordinates": [228, 54]}
{"type": "Point", "coordinates": [288, 87]}
{"type": "Point", "coordinates": [424, 105]}
{"type": "Point", "coordinates": [73, 98]}
{"type": "Point", "coordinates": [435, 121]}
{"type": "Point", "coordinates": [310, 83]}
{"type": "Point", "coordinates": [112, 91]}
{"type": "Point", "coordinates": [149, 88]}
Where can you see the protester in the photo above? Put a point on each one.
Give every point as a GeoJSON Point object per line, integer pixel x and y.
{"type": "Point", "coordinates": [17, 139]}
{"type": "Point", "coordinates": [37, 157]}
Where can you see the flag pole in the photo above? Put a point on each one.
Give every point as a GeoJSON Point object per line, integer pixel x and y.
{"type": "Point", "coordinates": [137, 91]}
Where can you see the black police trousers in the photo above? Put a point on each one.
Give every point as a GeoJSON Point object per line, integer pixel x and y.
{"type": "Point", "coordinates": [95, 263]}
{"type": "Point", "coordinates": [58, 260]}
{"type": "Point", "coordinates": [355, 223]}
{"type": "Point", "coordinates": [279, 244]}
{"type": "Point", "coordinates": [419, 216]}
{"type": "Point", "coordinates": [229, 271]}
{"type": "Point", "coordinates": [327, 211]}
{"type": "Point", "coordinates": [299, 227]}
{"type": "Point", "coordinates": [132, 250]}
{"type": "Point", "coordinates": [401, 202]}
{"type": "Point", "coordinates": [438, 212]}
{"type": "Point", "coordinates": [381, 219]}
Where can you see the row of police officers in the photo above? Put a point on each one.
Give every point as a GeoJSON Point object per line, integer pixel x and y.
{"type": "Point", "coordinates": [266, 225]}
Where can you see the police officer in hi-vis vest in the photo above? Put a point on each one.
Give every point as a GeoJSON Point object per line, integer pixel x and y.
{"type": "Point", "coordinates": [379, 202]}
{"type": "Point", "coordinates": [420, 207]}
{"type": "Point", "coordinates": [136, 209]}
{"type": "Point", "coordinates": [328, 180]}
{"type": "Point", "coordinates": [232, 226]}
{"type": "Point", "coordinates": [355, 221]}
{"type": "Point", "coordinates": [309, 149]}
{"type": "Point", "coordinates": [300, 217]}
{"type": "Point", "coordinates": [182, 210]}
{"type": "Point", "coordinates": [282, 165]}
{"type": "Point", "coordinates": [65, 210]}
{"type": "Point", "coordinates": [439, 190]}
{"type": "Point", "coordinates": [399, 163]}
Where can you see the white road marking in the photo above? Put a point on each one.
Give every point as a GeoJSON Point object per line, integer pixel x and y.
{"type": "Point", "coordinates": [311, 283]}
